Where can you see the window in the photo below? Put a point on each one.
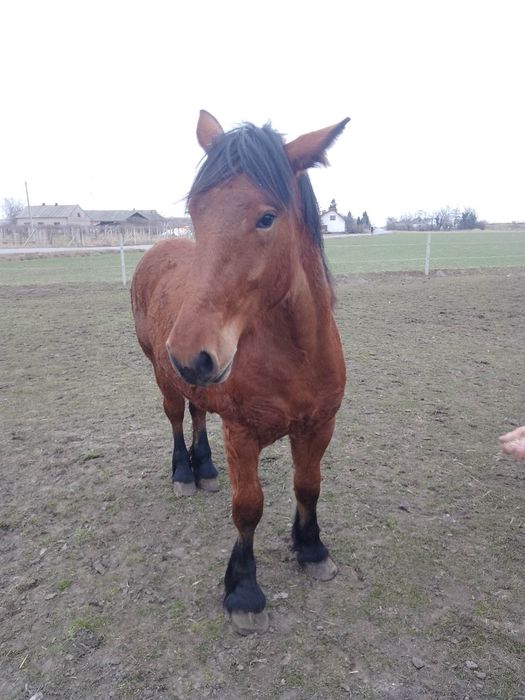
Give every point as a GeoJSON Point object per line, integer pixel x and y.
{"type": "Point", "coordinates": [332, 217]}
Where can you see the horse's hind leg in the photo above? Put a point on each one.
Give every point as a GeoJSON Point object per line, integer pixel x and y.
{"type": "Point", "coordinates": [204, 470]}
{"type": "Point", "coordinates": [181, 471]}
{"type": "Point", "coordinates": [307, 451]}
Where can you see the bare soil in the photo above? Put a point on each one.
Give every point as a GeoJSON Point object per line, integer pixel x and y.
{"type": "Point", "coordinates": [112, 588]}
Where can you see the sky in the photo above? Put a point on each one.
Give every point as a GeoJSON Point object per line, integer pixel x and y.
{"type": "Point", "coordinates": [100, 98]}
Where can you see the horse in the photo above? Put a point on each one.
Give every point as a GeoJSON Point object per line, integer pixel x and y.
{"type": "Point", "coordinates": [240, 323]}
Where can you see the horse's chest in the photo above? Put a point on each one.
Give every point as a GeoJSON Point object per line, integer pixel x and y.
{"type": "Point", "coordinates": [273, 409]}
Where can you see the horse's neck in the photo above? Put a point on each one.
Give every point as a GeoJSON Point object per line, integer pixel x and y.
{"type": "Point", "coordinates": [309, 305]}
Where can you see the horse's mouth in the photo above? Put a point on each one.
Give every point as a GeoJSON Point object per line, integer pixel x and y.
{"type": "Point", "coordinates": [223, 375]}
{"type": "Point", "coordinates": [190, 376]}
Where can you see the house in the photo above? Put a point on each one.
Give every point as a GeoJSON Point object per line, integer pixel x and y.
{"type": "Point", "coordinates": [54, 215]}
{"type": "Point", "coordinates": [121, 217]}
{"type": "Point", "coordinates": [332, 221]}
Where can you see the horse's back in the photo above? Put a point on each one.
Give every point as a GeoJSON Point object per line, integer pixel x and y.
{"type": "Point", "coordinates": [157, 290]}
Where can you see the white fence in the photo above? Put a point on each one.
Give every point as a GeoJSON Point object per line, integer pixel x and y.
{"type": "Point", "coordinates": [397, 252]}
{"type": "Point", "coordinates": [84, 236]}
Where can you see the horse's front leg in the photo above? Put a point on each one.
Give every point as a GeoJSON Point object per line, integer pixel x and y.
{"type": "Point", "coordinates": [244, 600]}
{"type": "Point", "coordinates": [307, 451]}
{"type": "Point", "coordinates": [206, 474]}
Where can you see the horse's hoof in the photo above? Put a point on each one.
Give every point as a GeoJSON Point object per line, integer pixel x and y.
{"type": "Point", "coordinates": [321, 570]}
{"type": "Point", "coordinates": [211, 485]}
{"type": "Point", "coordinates": [184, 489]}
{"type": "Point", "coordinates": [249, 623]}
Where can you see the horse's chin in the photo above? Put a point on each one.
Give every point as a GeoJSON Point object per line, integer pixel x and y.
{"type": "Point", "coordinates": [223, 375]}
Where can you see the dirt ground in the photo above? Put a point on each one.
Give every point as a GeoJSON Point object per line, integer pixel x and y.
{"type": "Point", "coordinates": [112, 588]}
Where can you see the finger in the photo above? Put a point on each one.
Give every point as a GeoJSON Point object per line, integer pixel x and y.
{"type": "Point", "coordinates": [515, 448]}
{"type": "Point", "coordinates": [513, 435]}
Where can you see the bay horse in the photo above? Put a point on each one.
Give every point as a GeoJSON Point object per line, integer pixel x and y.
{"type": "Point", "coordinates": [240, 323]}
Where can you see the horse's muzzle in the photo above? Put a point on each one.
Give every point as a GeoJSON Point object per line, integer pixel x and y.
{"type": "Point", "coordinates": [202, 370]}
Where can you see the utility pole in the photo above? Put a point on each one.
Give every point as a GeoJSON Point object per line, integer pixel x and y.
{"type": "Point", "coordinates": [30, 216]}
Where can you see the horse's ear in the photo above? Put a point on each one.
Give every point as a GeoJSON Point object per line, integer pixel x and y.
{"type": "Point", "coordinates": [310, 149]}
{"type": "Point", "coordinates": [208, 128]}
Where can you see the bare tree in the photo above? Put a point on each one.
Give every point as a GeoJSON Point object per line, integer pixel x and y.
{"type": "Point", "coordinates": [12, 208]}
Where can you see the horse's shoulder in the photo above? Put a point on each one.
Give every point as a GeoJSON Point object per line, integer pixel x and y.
{"type": "Point", "coordinates": [169, 253]}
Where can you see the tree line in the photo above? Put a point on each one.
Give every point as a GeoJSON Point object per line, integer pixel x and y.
{"type": "Point", "coordinates": [359, 225]}
{"type": "Point", "coordinates": [444, 219]}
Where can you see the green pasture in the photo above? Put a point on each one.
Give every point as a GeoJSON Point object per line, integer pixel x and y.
{"type": "Point", "coordinates": [351, 255]}
{"type": "Point", "coordinates": [406, 251]}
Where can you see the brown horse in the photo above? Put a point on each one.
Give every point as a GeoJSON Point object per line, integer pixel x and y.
{"type": "Point", "coordinates": [240, 323]}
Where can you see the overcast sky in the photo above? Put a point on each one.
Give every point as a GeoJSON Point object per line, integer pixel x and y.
{"type": "Point", "coordinates": [101, 98]}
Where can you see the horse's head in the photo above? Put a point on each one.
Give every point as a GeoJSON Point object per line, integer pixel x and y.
{"type": "Point", "coordinates": [250, 203]}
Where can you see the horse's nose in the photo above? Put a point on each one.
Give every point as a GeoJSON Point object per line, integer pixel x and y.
{"type": "Point", "coordinates": [199, 372]}
{"type": "Point", "coordinates": [204, 367]}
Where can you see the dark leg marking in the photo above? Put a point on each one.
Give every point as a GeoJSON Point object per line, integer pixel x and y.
{"type": "Point", "coordinates": [306, 540]}
{"type": "Point", "coordinates": [240, 582]}
{"type": "Point", "coordinates": [182, 475]}
{"type": "Point", "coordinates": [201, 462]}
{"type": "Point", "coordinates": [311, 552]}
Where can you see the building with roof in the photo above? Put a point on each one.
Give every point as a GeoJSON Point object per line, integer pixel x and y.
{"type": "Point", "coordinates": [120, 217]}
{"type": "Point", "coordinates": [332, 221]}
{"type": "Point", "coordinates": [54, 215]}
{"type": "Point", "coordinates": [74, 215]}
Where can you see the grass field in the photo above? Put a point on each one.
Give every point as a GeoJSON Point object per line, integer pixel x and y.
{"type": "Point", "coordinates": [359, 254]}
{"type": "Point", "coordinates": [406, 251]}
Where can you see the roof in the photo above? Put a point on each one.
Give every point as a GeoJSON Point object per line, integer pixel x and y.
{"type": "Point", "coordinates": [122, 215]}
{"type": "Point", "coordinates": [149, 214]}
{"type": "Point", "coordinates": [51, 211]}
{"type": "Point", "coordinates": [108, 214]}
{"type": "Point", "coordinates": [333, 211]}
{"type": "Point", "coordinates": [63, 211]}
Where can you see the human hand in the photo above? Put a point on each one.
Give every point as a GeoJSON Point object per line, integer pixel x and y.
{"type": "Point", "coordinates": [513, 443]}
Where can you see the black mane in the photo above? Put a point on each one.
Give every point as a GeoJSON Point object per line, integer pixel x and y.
{"type": "Point", "coordinates": [259, 154]}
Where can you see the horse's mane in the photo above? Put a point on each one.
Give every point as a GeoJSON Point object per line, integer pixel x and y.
{"type": "Point", "coordinates": [258, 152]}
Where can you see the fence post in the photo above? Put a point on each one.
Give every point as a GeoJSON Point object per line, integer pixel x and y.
{"type": "Point", "coordinates": [427, 254]}
{"type": "Point", "coordinates": [122, 261]}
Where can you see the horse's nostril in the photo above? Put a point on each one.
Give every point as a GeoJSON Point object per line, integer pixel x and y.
{"type": "Point", "coordinates": [204, 366]}
{"type": "Point", "coordinates": [200, 370]}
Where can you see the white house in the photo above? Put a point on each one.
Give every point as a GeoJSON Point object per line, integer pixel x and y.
{"type": "Point", "coordinates": [332, 221]}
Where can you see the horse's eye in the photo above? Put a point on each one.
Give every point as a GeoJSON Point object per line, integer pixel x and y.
{"type": "Point", "coordinates": [266, 220]}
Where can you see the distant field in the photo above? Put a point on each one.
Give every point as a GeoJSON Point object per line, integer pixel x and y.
{"type": "Point", "coordinates": [360, 254]}
{"type": "Point", "coordinates": [406, 251]}
{"type": "Point", "coordinates": [67, 269]}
